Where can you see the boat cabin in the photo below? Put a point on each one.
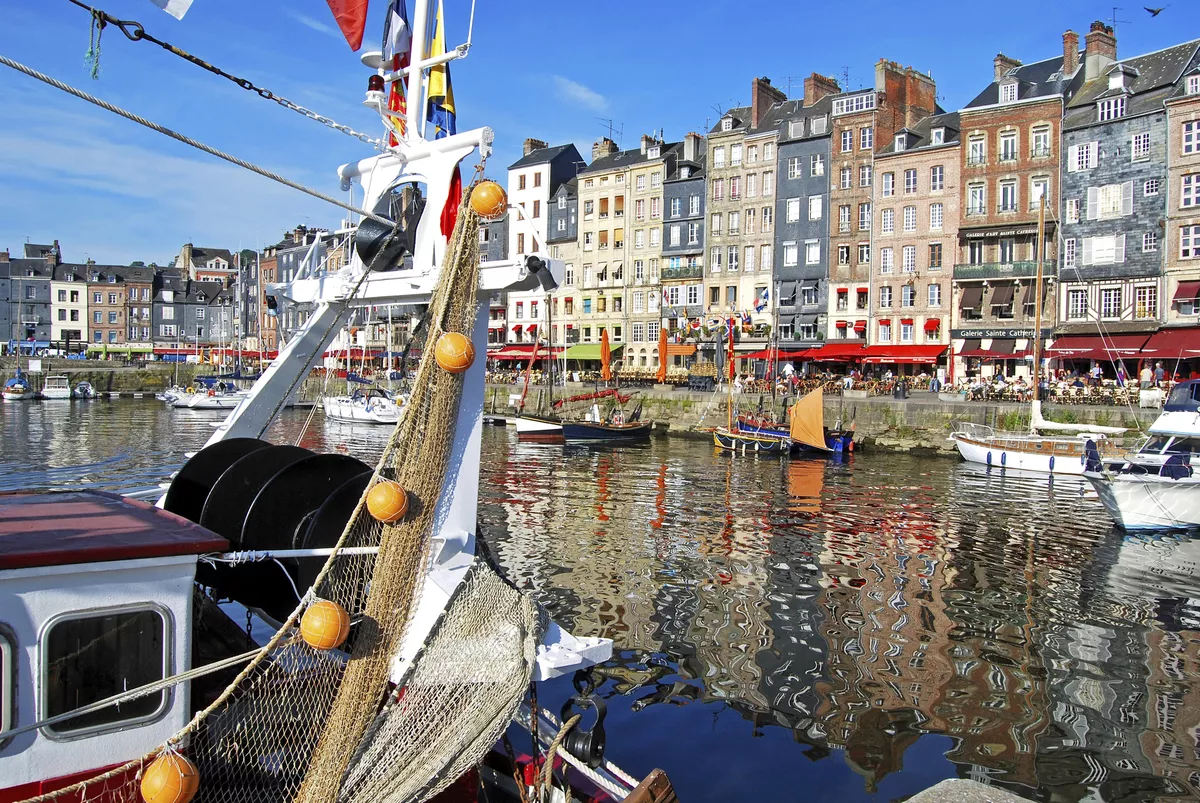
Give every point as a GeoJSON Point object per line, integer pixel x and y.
{"type": "Point", "coordinates": [1184, 398]}
{"type": "Point", "coordinates": [96, 598]}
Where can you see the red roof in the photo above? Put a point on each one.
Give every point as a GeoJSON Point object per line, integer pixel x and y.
{"type": "Point", "coordinates": [1182, 342]}
{"type": "Point", "coordinates": [71, 527]}
{"type": "Point", "coordinates": [903, 354]}
{"type": "Point", "coordinates": [1094, 347]}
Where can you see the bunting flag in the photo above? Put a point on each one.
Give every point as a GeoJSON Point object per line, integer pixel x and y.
{"type": "Point", "coordinates": [441, 92]}
{"type": "Point", "coordinates": [453, 200]}
{"type": "Point", "coordinates": [731, 363]}
{"type": "Point", "coordinates": [177, 8]}
{"type": "Point", "coordinates": [351, 16]}
{"type": "Point", "coordinates": [397, 51]}
{"type": "Point", "coordinates": [761, 303]}
{"type": "Point", "coordinates": [666, 298]}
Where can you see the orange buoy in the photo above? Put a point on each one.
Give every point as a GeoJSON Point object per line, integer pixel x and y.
{"type": "Point", "coordinates": [454, 352]}
{"type": "Point", "coordinates": [325, 625]}
{"type": "Point", "coordinates": [387, 501]}
{"type": "Point", "coordinates": [489, 200]}
{"type": "Point", "coordinates": [170, 778]}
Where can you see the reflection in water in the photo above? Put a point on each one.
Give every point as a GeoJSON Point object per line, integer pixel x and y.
{"type": "Point", "coordinates": [892, 620]}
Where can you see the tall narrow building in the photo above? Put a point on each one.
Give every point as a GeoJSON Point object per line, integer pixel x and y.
{"type": "Point", "coordinates": [1182, 237]}
{"type": "Point", "coordinates": [683, 251]}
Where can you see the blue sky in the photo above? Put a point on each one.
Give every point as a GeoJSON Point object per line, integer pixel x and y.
{"type": "Point", "coordinates": [115, 192]}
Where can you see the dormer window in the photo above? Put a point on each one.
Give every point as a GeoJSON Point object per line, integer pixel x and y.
{"type": "Point", "coordinates": [937, 136]}
{"type": "Point", "coordinates": [685, 172]}
{"type": "Point", "coordinates": [796, 128]}
{"type": "Point", "coordinates": [1110, 109]}
{"type": "Point", "coordinates": [727, 124]}
{"type": "Point", "coordinates": [1008, 92]}
{"type": "Point", "coordinates": [652, 152]}
{"type": "Point", "coordinates": [112, 279]}
{"type": "Point", "coordinates": [95, 277]}
{"type": "Point", "coordinates": [900, 142]}
{"type": "Point", "coordinates": [1193, 85]}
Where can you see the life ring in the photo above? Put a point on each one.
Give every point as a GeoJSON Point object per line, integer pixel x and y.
{"type": "Point", "coordinates": [191, 389]}
{"type": "Point", "coordinates": [212, 392]}
{"type": "Point", "coordinates": [618, 418]}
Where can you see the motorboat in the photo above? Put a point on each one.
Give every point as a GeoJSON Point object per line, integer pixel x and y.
{"type": "Point", "coordinates": [369, 406]}
{"type": "Point", "coordinates": [1158, 487]}
{"type": "Point", "coordinates": [84, 390]}
{"type": "Point", "coordinates": [218, 396]}
{"type": "Point", "coordinates": [57, 387]}
{"type": "Point", "coordinates": [172, 393]}
{"type": "Point", "coordinates": [538, 428]}
{"type": "Point", "coordinates": [18, 389]}
{"type": "Point", "coordinates": [596, 427]}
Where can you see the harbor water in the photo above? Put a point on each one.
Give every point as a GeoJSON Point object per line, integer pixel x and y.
{"type": "Point", "coordinates": [800, 630]}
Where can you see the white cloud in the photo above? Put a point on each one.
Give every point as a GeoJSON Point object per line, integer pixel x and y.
{"type": "Point", "coordinates": [315, 24]}
{"type": "Point", "coordinates": [577, 93]}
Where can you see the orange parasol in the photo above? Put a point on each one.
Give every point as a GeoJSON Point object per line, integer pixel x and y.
{"type": "Point", "coordinates": [662, 355]}
{"type": "Point", "coordinates": [605, 357]}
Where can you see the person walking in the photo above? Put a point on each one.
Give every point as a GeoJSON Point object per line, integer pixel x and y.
{"type": "Point", "coordinates": [1158, 374]}
{"type": "Point", "coordinates": [1146, 377]}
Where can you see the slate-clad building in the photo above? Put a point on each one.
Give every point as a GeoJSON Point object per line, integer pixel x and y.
{"type": "Point", "coordinates": [29, 290]}
{"type": "Point", "coordinates": [801, 277]}
{"type": "Point", "coordinates": [562, 237]}
{"type": "Point", "coordinates": [1115, 192]}
{"type": "Point", "coordinates": [683, 235]}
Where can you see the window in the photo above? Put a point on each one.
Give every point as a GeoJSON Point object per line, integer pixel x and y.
{"type": "Point", "coordinates": [909, 259]}
{"type": "Point", "coordinates": [847, 177]}
{"type": "Point", "coordinates": [1145, 302]}
{"type": "Point", "coordinates": [858, 103]}
{"type": "Point", "coordinates": [1039, 142]}
{"type": "Point", "coordinates": [1108, 250]}
{"type": "Point", "coordinates": [1140, 146]}
{"type": "Point", "coordinates": [749, 252]}
{"type": "Point", "coordinates": [656, 179]}
{"type": "Point", "coordinates": [1072, 210]}
{"type": "Point", "coordinates": [901, 142]}
{"type": "Point", "coordinates": [935, 295]}
{"type": "Point", "coordinates": [639, 209]}
{"type": "Point", "coordinates": [560, 226]}
{"type": "Point", "coordinates": [1110, 201]}
{"type": "Point", "coordinates": [1189, 242]}
{"type": "Point", "coordinates": [887, 185]}
{"type": "Point", "coordinates": [936, 213]}
{"type": "Point", "coordinates": [752, 154]}
{"type": "Point", "coordinates": [655, 237]}
{"type": "Point", "coordinates": [1082, 156]}
{"type": "Point", "coordinates": [885, 297]}
{"type": "Point", "coordinates": [588, 208]}
{"type": "Point", "coordinates": [791, 255]}
{"type": "Point", "coordinates": [735, 223]}
{"type": "Point", "coordinates": [977, 199]}
{"type": "Point", "coordinates": [90, 657]}
{"type": "Point", "coordinates": [694, 205]}
{"type": "Point", "coordinates": [714, 225]}
{"type": "Point", "coordinates": [719, 152]}
{"type": "Point", "coordinates": [731, 295]}
{"type": "Point", "coordinates": [814, 207]}
{"type": "Point", "coordinates": [750, 221]}
{"type": "Point", "coordinates": [1110, 302]}
{"type": "Point", "coordinates": [1150, 241]}
{"type": "Point", "coordinates": [1008, 92]}
{"type": "Point", "coordinates": [62, 295]}
{"type": "Point", "coordinates": [864, 175]}
{"type": "Point", "coordinates": [521, 243]}
{"type": "Point", "coordinates": [731, 256]}
{"type": "Point", "coordinates": [640, 183]}
{"type": "Point", "coordinates": [844, 217]}
{"type": "Point", "coordinates": [866, 138]}
{"type": "Point", "coordinates": [768, 177]}
{"type": "Point", "coordinates": [812, 252]}
{"type": "Point", "coordinates": [864, 253]}
{"type": "Point", "coordinates": [864, 217]}
{"type": "Point", "coordinates": [847, 141]}
{"type": "Point", "coordinates": [1193, 85]}
{"type": "Point", "coordinates": [112, 316]}
{"type": "Point", "coordinates": [1151, 187]}
{"type": "Point", "coordinates": [521, 182]}
{"type": "Point", "coordinates": [910, 218]}
{"type": "Point", "coordinates": [910, 182]}
{"type": "Point", "coordinates": [793, 167]}
{"type": "Point", "coordinates": [718, 189]}
{"type": "Point", "coordinates": [1039, 187]}
{"type": "Point", "coordinates": [1008, 196]}
{"type": "Point", "coordinates": [885, 331]}
{"type": "Point", "coordinates": [1008, 146]}
{"type": "Point", "coordinates": [1077, 304]}
{"type": "Point", "coordinates": [673, 235]}
{"type": "Point", "coordinates": [886, 260]}
{"type": "Point", "coordinates": [793, 210]}
{"type": "Point", "coordinates": [113, 298]}
{"type": "Point", "coordinates": [62, 314]}
{"type": "Point", "coordinates": [937, 178]}
{"type": "Point", "coordinates": [1008, 250]}
{"type": "Point", "coordinates": [1069, 252]}
{"type": "Point", "coordinates": [816, 164]}
{"type": "Point", "coordinates": [906, 332]}
{"type": "Point", "coordinates": [752, 185]}
{"type": "Point", "coordinates": [98, 336]}
{"type": "Point", "coordinates": [843, 254]}
{"type": "Point", "coordinates": [935, 256]}
{"type": "Point", "coordinates": [735, 188]}
{"type": "Point", "coordinates": [639, 238]}
{"type": "Point", "coordinates": [537, 205]}
{"type": "Point", "coordinates": [808, 296]}
{"type": "Point", "coordinates": [1191, 136]}
{"type": "Point", "coordinates": [765, 262]}
{"type": "Point", "coordinates": [1189, 191]}
{"type": "Point", "coordinates": [735, 155]}
{"type": "Point", "coordinates": [168, 313]}
{"type": "Point", "coordinates": [908, 295]}
{"type": "Point", "coordinates": [767, 212]}
{"type": "Point", "coordinates": [976, 150]}
{"type": "Point", "coordinates": [569, 280]}
{"type": "Point", "coordinates": [693, 233]}
{"type": "Point", "coordinates": [1110, 109]}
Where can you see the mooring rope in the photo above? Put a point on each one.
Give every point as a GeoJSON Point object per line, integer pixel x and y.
{"type": "Point", "coordinates": [117, 110]}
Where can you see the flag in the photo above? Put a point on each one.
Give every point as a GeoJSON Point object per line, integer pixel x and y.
{"type": "Point", "coordinates": [761, 304]}
{"type": "Point", "coordinates": [351, 16]}
{"type": "Point", "coordinates": [453, 201]}
{"type": "Point", "coordinates": [695, 324]}
{"type": "Point", "coordinates": [666, 298]}
{"type": "Point", "coordinates": [397, 51]}
{"type": "Point", "coordinates": [441, 93]}
{"type": "Point", "coordinates": [176, 8]}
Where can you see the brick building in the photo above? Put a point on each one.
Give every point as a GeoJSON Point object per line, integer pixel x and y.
{"type": "Point", "coordinates": [106, 306]}
{"type": "Point", "coordinates": [1182, 238]}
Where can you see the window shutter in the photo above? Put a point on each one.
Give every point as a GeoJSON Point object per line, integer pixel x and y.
{"type": "Point", "coordinates": [1087, 251]}
{"type": "Point", "coordinates": [1072, 158]}
{"type": "Point", "coordinates": [1093, 203]}
{"type": "Point", "coordinates": [1119, 249]}
{"type": "Point", "coordinates": [1127, 198]}
{"type": "Point", "coordinates": [1093, 153]}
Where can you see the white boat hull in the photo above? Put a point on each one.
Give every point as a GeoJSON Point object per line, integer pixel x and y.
{"type": "Point", "coordinates": [538, 429]}
{"type": "Point", "coordinates": [14, 396]}
{"type": "Point", "coordinates": [1149, 502]}
{"type": "Point", "coordinates": [202, 401]}
{"type": "Point", "coordinates": [996, 454]}
{"type": "Point", "coordinates": [340, 409]}
{"type": "Point", "coordinates": [60, 394]}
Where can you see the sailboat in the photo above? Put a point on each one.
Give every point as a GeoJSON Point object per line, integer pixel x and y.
{"type": "Point", "coordinates": [732, 437]}
{"type": "Point", "coordinates": [807, 430]}
{"type": "Point", "coordinates": [1033, 451]}
{"type": "Point", "coordinates": [532, 427]}
{"type": "Point", "coordinates": [19, 387]}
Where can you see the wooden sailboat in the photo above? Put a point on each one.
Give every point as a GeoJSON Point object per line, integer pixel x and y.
{"type": "Point", "coordinates": [732, 438]}
{"type": "Point", "coordinates": [540, 428]}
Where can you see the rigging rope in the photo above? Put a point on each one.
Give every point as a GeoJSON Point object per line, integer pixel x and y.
{"type": "Point", "coordinates": [135, 32]}
{"type": "Point", "coordinates": [117, 110]}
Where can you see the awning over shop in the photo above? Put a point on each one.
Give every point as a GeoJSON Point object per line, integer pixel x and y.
{"type": "Point", "coordinates": [1001, 348]}
{"type": "Point", "coordinates": [838, 352]}
{"type": "Point", "coordinates": [1187, 291]}
{"type": "Point", "coordinates": [971, 298]}
{"type": "Point", "coordinates": [906, 321]}
{"type": "Point", "coordinates": [591, 351]}
{"type": "Point", "coordinates": [908, 355]}
{"type": "Point", "coordinates": [787, 290]}
{"type": "Point", "coordinates": [860, 326]}
{"type": "Point", "coordinates": [933, 324]}
{"type": "Point", "coordinates": [969, 347]}
{"type": "Point", "coordinates": [523, 351]}
{"type": "Point", "coordinates": [1003, 345]}
{"type": "Point", "coordinates": [679, 349]}
{"type": "Point", "coordinates": [1002, 296]}
{"type": "Point", "coordinates": [1173, 344]}
{"type": "Point", "coordinates": [840, 324]}
{"type": "Point", "coordinates": [1095, 347]}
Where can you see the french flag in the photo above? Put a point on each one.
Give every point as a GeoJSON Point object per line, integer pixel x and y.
{"type": "Point", "coordinates": [761, 303]}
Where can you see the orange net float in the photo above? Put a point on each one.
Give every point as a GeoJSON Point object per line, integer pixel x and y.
{"type": "Point", "coordinates": [170, 778]}
{"type": "Point", "coordinates": [325, 625]}
{"type": "Point", "coordinates": [489, 200]}
{"type": "Point", "coordinates": [387, 501]}
{"type": "Point", "coordinates": [454, 352]}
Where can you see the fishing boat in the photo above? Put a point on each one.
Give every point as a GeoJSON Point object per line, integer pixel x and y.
{"type": "Point", "coordinates": [808, 433]}
{"type": "Point", "coordinates": [384, 657]}
{"type": "Point", "coordinates": [365, 406]}
{"type": "Point", "coordinates": [531, 426]}
{"type": "Point", "coordinates": [18, 389]}
{"type": "Point", "coordinates": [1034, 450]}
{"type": "Point", "coordinates": [1158, 487]}
{"type": "Point", "coordinates": [57, 387]}
{"type": "Point", "coordinates": [84, 390]}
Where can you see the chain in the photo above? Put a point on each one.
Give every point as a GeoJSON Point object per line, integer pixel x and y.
{"type": "Point", "coordinates": [135, 32]}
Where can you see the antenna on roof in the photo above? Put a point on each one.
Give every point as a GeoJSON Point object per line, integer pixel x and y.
{"type": "Point", "coordinates": [614, 133]}
{"type": "Point", "coordinates": [1114, 19]}
{"type": "Point", "coordinates": [790, 79]}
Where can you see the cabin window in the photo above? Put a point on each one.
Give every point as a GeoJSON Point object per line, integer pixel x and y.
{"type": "Point", "coordinates": [8, 680]}
{"type": "Point", "coordinates": [91, 656]}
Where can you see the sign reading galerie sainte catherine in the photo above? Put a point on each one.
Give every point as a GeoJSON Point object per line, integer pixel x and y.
{"type": "Point", "coordinates": [983, 334]}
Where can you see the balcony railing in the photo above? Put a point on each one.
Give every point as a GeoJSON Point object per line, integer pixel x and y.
{"type": "Point", "coordinates": [1039, 153]}
{"type": "Point", "coordinates": [976, 161]}
{"type": "Point", "coordinates": [991, 270]}
{"type": "Point", "coordinates": [684, 272]}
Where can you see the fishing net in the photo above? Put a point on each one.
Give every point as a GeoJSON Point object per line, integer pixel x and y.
{"type": "Point", "coordinates": [298, 724]}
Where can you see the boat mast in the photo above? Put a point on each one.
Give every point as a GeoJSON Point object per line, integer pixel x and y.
{"type": "Point", "coordinates": [1037, 301]}
{"type": "Point", "coordinates": [729, 375]}
{"type": "Point", "coordinates": [550, 354]}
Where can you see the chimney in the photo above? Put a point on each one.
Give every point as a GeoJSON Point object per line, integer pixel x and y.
{"type": "Point", "coordinates": [186, 258]}
{"type": "Point", "coordinates": [301, 234]}
{"type": "Point", "coordinates": [908, 96]}
{"type": "Point", "coordinates": [4, 257]}
{"type": "Point", "coordinates": [1070, 53]}
{"type": "Point", "coordinates": [1099, 50]}
{"type": "Point", "coordinates": [55, 256]}
{"type": "Point", "coordinates": [532, 145]}
{"type": "Point", "coordinates": [647, 141]}
{"type": "Point", "coordinates": [1002, 64]}
{"type": "Point", "coordinates": [603, 147]}
{"type": "Point", "coordinates": [817, 86]}
{"type": "Point", "coordinates": [762, 97]}
{"type": "Point", "coordinates": [691, 146]}
{"type": "Point", "coordinates": [920, 98]}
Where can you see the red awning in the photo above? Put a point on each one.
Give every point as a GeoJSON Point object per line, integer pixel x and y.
{"type": "Point", "coordinates": [840, 324]}
{"type": "Point", "coordinates": [910, 355]}
{"type": "Point", "coordinates": [843, 289]}
{"type": "Point", "coordinates": [1187, 291]}
{"type": "Point", "coordinates": [1173, 344]}
{"type": "Point", "coordinates": [933, 324]}
{"type": "Point", "coordinates": [906, 321]}
{"type": "Point", "coordinates": [860, 326]}
{"type": "Point", "coordinates": [522, 351]}
{"type": "Point", "coordinates": [837, 352]}
{"type": "Point", "coordinates": [1095, 347]}
{"type": "Point", "coordinates": [531, 327]}
{"type": "Point", "coordinates": [516, 327]}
